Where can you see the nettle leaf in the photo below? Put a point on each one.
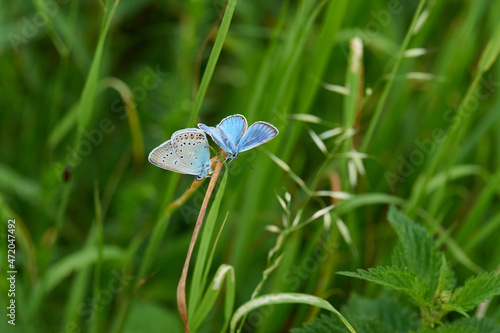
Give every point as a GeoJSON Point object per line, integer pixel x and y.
{"type": "Point", "coordinates": [417, 252]}
{"type": "Point", "coordinates": [446, 280]}
{"type": "Point", "coordinates": [367, 316]}
{"type": "Point", "coordinates": [473, 325]}
{"type": "Point", "coordinates": [400, 317]}
{"type": "Point", "coordinates": [480, 325]}
{"type": "Point", "coordinates": [447, 329]}
{"type": "Point", "coordinates": [396, 278]}
{"type": "Point", "coordinates": [477, 290]}
{"type": "Point", "coordinates": [365, 312]}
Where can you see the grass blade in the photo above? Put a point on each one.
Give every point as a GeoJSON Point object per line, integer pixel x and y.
{"type": "Point", "coordinates": [212, 60]}
{"type": "Point", "coordinates": [225, 272]}
{"type": "Point", "coordinates": [202, 267]}
{"type": "Point", "coordinates": [285, 298]}
{"type": "Point", "coordinates": [389, 83]}
{"type": "Point", "coordinates": [181, 287]}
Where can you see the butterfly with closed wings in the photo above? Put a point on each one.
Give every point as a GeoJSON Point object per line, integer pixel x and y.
{"type": "Point", "coordinates": [186, 152]}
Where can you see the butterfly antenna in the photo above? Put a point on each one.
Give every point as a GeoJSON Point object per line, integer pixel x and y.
{"type": "Point", "coordinates": [247, 162]}
{"type": "Point", "coordinates": [204, 189]}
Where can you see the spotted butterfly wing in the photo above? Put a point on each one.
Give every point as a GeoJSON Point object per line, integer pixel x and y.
{"type": "Point", "coordinates": [191, 146]}
{"type": "Point", "coordinates": [186, 152]}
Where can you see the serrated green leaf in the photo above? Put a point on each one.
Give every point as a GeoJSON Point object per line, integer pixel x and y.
{"type": "Point", "coordinates": [472, 325]}
{"type": "Point", "coordinates": [396, 278]}
{"type": "Point", "coordinates": [446, 275]}
{"type": "Point", "coordinates": [480, 325]}
{"type": "Point", "coordinates": [450, 307]}
{"type": "Point", "coordinates": [386, 309]}
{"type": "Point", "coordinates": [450, 328]}
{"type": "Point", "coordinates": [367, 316]}
{"type": "Point", "coordinates": [477, 290]}
{"type": "Point", "coordinates": [418, 252]}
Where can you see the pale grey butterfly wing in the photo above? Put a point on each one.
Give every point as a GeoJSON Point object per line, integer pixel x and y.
{"type": "Point", "coordinates": [191, 146]}
{"type": "Point", "coordinates": [186, 152]}
{"type": "Point", "coordinates": [260, 132]}
{"type": "Point", "coordinates": [164, 157]}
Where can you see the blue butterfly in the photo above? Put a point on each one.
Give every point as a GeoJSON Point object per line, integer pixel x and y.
{"type": "Point", "coordinates": [232, 135]}
{"type": "Point", "coordinates": [186, 152]}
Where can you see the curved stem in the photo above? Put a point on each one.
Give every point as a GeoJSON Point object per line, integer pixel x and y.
{"type": "Point", "coordinates": [181, 287]}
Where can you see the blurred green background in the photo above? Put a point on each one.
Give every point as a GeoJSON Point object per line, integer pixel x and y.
{"type": "Point", "coordinates": [277, 64]}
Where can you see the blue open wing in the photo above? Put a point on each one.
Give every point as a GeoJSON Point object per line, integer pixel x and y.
{"type": "Point", "coordinates": [260, 132]}
{"type": "Point", "coordinates": [234, 127]}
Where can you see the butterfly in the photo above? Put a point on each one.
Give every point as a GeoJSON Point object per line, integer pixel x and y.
{"type": "Point", "coordinates": [233, 135]}
{"type": "Point", "coordinates": [186, 152]}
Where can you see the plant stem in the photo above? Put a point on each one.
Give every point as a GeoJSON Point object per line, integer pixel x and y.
{"type": "Point", "coordinates": [181, 287]}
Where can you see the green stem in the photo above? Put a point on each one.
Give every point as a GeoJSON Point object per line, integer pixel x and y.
{"type": "Point", "coordinates": [212, 61]}
{"type": "Point", "coordinates": [385, 93]}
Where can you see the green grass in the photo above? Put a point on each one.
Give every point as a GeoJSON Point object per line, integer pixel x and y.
{"type": "Point", "coordinates": [105, 248]}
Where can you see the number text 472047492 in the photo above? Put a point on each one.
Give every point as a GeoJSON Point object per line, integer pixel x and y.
{"type": "Point", "coordinates": [11, 272]}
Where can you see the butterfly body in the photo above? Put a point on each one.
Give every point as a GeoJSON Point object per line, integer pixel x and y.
{"type": "Point", "coordinates": [186, 152]}
{"type": "Point", "coordinates": [234, 136]}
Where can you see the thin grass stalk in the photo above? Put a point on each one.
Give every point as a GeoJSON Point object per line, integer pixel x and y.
{"type": "Point", "coordinates": [335, 14]}
{"type": "Point", "coordinates": [457, 130]}
{"type": "Point", "coordinates": [442, 150]}
{"type": "Point", "coordinates": [280, 97]}
{"type": "Point", "coordinates": [202, 265]}
{"type": "Point", "coordinates": [352, 109]}
{"type": "Point", "coordinates": [93, 327]}
{"type": "Point", "coordinates": [331, 24]}
{"type": "Point", "coordinates": [280, 243]}
{"type": "Point", "coordinates": [181, 287]}
{"type": "Point", "coordinates": [132, 117]}
{"type": "Point", "coordinates": [154, 242]}
{"type": "Point", "coordinates": [212, 61]}
{"type": "Point", "coordinates": [164, 218]}
{"type": "Point", "coordinates": [275, 255]}
{"type": "Point", "coordinates": [57, 39]}
{"type": "Point", "coordinates": [327, 274]}
{"type": "Point", "coordinates": [265, 70]}
{"type": "Point", "coordinates": [392, 76]}
{"type": "Point", "coordinates": [174, 205]}
{"type": "Point", "coordinates": [86, 105]}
